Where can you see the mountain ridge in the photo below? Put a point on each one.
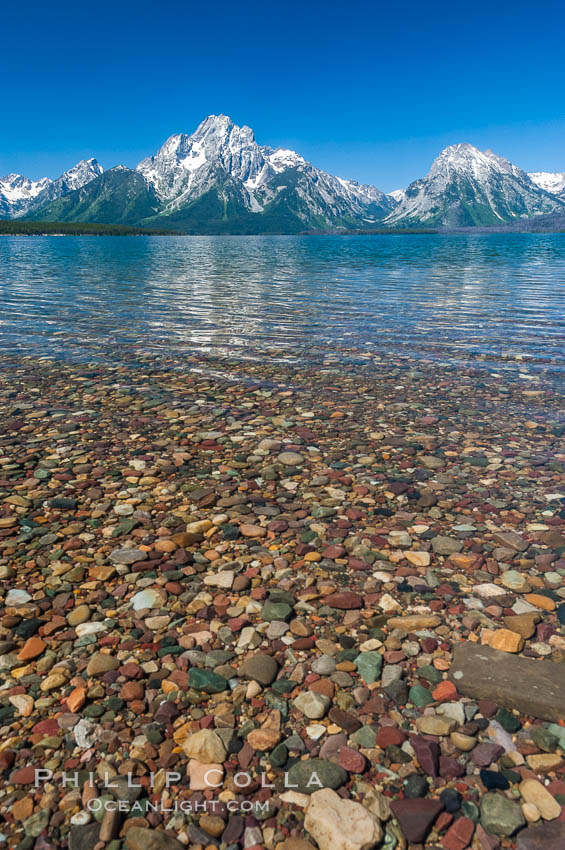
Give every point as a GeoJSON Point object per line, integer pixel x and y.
{"type": "Point", "coordinates": [220, 180]}
{"type": "Point", "coordinates": [19, 195]}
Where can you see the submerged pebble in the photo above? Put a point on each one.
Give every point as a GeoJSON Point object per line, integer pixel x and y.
{"type": "Point", "coordinates": [247, 587]}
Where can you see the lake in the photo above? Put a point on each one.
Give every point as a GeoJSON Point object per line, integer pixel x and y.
{"type": "Point", "coordinates": [495, 299]}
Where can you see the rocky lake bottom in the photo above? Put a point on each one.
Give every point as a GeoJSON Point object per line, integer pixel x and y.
{"type": "Point", "coordinates": [250, 603]}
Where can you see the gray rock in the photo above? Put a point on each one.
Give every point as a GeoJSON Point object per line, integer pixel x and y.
{"type": "Point", "coordinates": [501, 816]}
{"type": "Point", "coordinates": [16, 597]}
{"type": "Point", "coordinates": [123, 789]}
{"type": "Point", "coordinates": [150, 839]}
{"type": "Point", "coordinates": [324, 665]}
{"type": "Point", "coordinates": [127, 556]}
{"type": "Point", "coordinates": [391, 673]}
{"type": "Point", "coordinates": [148, 598]}
{"type": "Point", "coordinates": [84, 837]}
{"type": "Point", "coordinates": [312, 705]}
{"type": "Point", "coordinates": [481, 672]}
{"type": "Point", "coordinates": [277, 629]}
{"type": "Point", "coordinates": [312, 774]}
{"type": "Point", "coordinates": [510, 540]}
{"type": "Point", "coordinates": [543, 836]}
{"type": "Point", "coordinates": [9, 661]}
{"type": "Point", "coordinates": [445, 545]}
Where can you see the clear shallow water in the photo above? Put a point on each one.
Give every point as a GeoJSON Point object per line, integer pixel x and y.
{"type": "Point", "coordinates": [498, 297]}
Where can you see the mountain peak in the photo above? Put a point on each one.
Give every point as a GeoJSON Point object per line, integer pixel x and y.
{"type": "Point", "coordinates": [221, 129]}
{"type": "Point", "coordinates": [79, 175]}
{"type": "Point", "coordinates": [183, 162]}
{"type": "Point", "coordinates": [466, 187]}
{"type": "Point", "coordinates": [464, 158]}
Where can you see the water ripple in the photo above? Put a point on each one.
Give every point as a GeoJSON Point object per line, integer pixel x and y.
{"type": "Point", "coordinates": [449, 298]}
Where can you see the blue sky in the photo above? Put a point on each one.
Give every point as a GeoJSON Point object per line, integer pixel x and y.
{"type": "Point", "coordinates": [366, 90]}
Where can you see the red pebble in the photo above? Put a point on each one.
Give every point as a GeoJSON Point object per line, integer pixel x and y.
{"type": "Point", "coordinates": [23, 776]}
{"type": "Point", "coordinates": [46, 727]}
{"type": "Point", "coordinates": [444, 821]}
{"type": "Point", "coordinates": [388, 736]}
{"type": "Point", "coordinates": [460, 835]}
{"type": "Point", "coordinates": [351, 760]}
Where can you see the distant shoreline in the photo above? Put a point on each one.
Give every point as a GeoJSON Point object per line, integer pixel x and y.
{"type": "Point", "coordinates": [9, 227]}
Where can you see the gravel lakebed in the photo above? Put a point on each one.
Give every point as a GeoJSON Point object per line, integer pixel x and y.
{"type": "Point", "coordinates": [268, 605]}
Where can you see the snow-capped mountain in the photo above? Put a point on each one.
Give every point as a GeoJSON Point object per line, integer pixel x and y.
{"type": "Point", "coordinates": [225, 159]}
{"type": "Point", "coordinates": [220, 180]}
{"type": "Point", "coordinates": [466, 187]}
{"type": "Point", "coordinates": [18, 192]}
{"type": "Point", "coordinates": [76, 177]}
{"type": "Point", "coordinates": [19, 195]}
{"type": "Point", "coordinates": [551, 181]}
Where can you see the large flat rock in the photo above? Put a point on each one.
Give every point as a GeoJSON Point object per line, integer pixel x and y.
{"type": "Point", "coordinates": [532, 687]}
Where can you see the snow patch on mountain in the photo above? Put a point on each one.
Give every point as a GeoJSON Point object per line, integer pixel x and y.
{"type": "Point", "coordinates": [551, 181]}
{"type": "Point", "coordinates": [397, 195]}
{"type": "Point", "coordinates": [16, 187]}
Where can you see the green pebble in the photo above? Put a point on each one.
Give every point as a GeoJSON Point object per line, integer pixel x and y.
{"type": "Point", "coordinates": [85, 640]}
{"type": "Point", "coordinates": [50, 742]}
{"type": "Point", "coordinates": [93, 710]}
{"type": "Point", "coordinates": [397, 755]}
{"type": "Point", "coordinates": [544, 739]}
{"type": "Point", "coordinates": [279, 755]}
{"type": "Point", "coordinates": [320, 513]}
{"type": "Point", "coordinates": [100, 810]}
{"type": "Point", "coordinates": [420, 696]}
{"type": "Point", "coordinates": [277, 702]}
{"type": "Point", "coordinates": [365, 737]}
{"type": "Point", "coordinates": [347, 655]}
{"type": "Point", "coordinates": [369, 665]}
{"type": "Point", "coordinates": [154, 735]}
{"type": "Point", "coordinates": [169, 650]}
{"type": "Point", "coordinates": [430, 674]}
{"type": "Point", "coordinates": [283, 686]}
{"type": "Point", "coordinates": [276, 611]}
{"type": "Point", "coordinates": [508, 721]}
{"type": "Point", "coordinates": [206, 680]}
{"type": "Point", "coordinates": [501, 816]}
{"type": "Point", "coordinates": [470, 810]}
{"type": "Point", "coordinates": [308, 536]}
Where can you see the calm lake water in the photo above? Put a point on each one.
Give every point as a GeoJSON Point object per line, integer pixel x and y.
{"type": "Point", "coordinates": [499, 298]}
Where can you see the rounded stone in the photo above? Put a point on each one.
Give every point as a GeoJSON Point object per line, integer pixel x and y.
{"type": "Point", "coordinates": [261, 668]}
{"type": "Point", "coordinates": [312, 774]}
{"type": "Point", "coordinates": [290, 459]}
